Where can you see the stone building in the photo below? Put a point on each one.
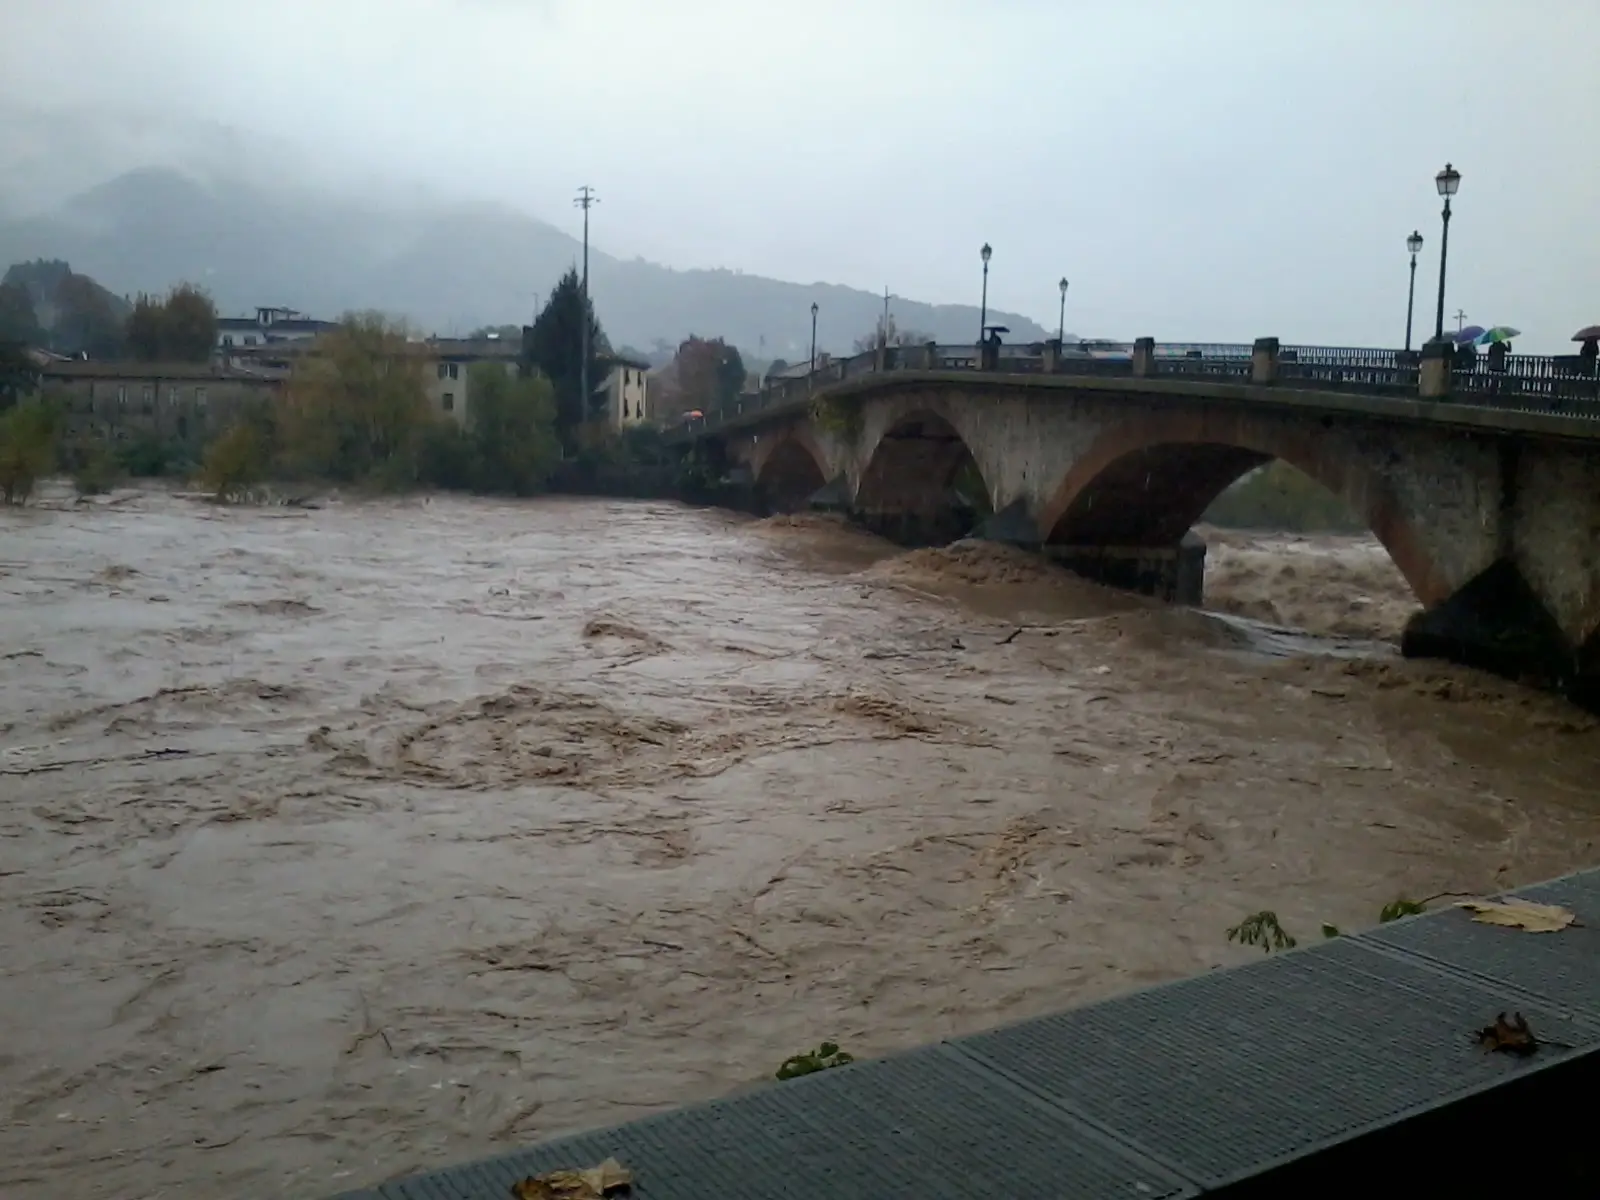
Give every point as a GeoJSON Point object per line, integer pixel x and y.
{"type": "Point", "coordinates": [173, 402]}
{"type": "Point", "coordinates": [624, 393]}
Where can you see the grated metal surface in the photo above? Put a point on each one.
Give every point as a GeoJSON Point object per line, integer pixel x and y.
{"type": "Point", "coordinates": [926, 1124]}
{"type": "Point", "coordinates": [1227, 1074]}
{"type": "Point", "coordinates": [1562, 969]}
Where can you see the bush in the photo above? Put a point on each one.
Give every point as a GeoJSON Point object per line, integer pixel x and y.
{"type": "Point", "coordinates": [235, 462]}
{"type": "Point", "coordinates": [96, 472]}
{"type": "Point", "coordinates": [148, 457]}
{"type": "Point", "coordinates": [27, 449]}
{"type": "Point", "coordinates": [1278, 497]}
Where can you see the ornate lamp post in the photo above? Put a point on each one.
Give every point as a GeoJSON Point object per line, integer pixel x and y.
{"type": "Point", "coordinates": [1448, 182]}
{"type": "Point", "coordinates": [813, 337]}
{"type": "Point", "coordinates": [1061, 327]}
{"type": "Point", "coordinates": [1413, 244]}
{"type": "Point", "coordinates": [983, 313]}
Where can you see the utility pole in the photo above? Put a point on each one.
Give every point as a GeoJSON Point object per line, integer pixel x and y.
{"type": "Point", "coordinates": [586, 200]}
{"type": "Point", "coordinates": [1461, 320]}
{"type": "Point", "coordinates": [883, 330]}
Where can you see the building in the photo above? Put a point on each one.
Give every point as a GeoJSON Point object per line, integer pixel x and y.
{"type": "Point", "coordinates": [269, 325]}
{"type": "Point", "coordinates": [625, 392]}
{"type": "Point", "coordinates": [449, 362]}
{"type": "Point", "coordinates": [174, 402]}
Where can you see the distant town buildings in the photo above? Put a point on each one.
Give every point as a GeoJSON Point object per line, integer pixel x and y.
{"type": "Point", "coordinates": [268, 326]}
{"type": "Point", "coordinates": [173, 402]}
{"type": "Point", "coordinates": [448, 363]}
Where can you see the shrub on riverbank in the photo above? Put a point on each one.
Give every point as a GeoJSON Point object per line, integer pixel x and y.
{"type": "Point", "coordinates": [27, 449]}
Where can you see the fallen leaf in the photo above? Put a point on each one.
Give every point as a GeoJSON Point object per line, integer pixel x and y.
{"type": "Point", "coordinates": [1513, 1036]}
{"type": "Point", "coordinates": [1519, 914]}
{"type": "Point", "coordinates": [595, 1183]}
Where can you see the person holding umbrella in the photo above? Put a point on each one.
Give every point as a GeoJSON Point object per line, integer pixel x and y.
{"type": "Point", "coordinates": [1589, 351]}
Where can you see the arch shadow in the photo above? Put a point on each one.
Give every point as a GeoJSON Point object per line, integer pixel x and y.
{"type": "Point", "coordinates": [1139, 488]}
{"type": "Point", "coordinates": [922, 485]}
{"type": "Point", "coordinates": [788, 476]}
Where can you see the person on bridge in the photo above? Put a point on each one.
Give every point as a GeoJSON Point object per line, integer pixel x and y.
{"type": "Point", "coordinates": [1588, 353]}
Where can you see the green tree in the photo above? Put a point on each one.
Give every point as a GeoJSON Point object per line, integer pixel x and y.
{"type": "Point", "coordinates": [887, 333]}
{"type": "Point", "coordinates": [19, 324]}
{"type": "Point", "coordinates": [710, 372]}
{"type": "Point", "coordinates": [86, 322]}
{"type": "Point", "coordinates": [19, 374]}
{"type": "Point", "coordinates": [180, 328]}
{"type": "Point", "coordinates": [553, 346]}
{"type": "Point", "coordinates": [511, 426]}
{"type": "Point", "coordinates": [27, 449]}
{"type": "Point", "coordinates": [357, 410]}
{"type": "Point", "coordinates": [236, 462]}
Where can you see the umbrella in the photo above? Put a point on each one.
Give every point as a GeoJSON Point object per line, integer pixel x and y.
{"type": "Point", "coordinates": [1500, 333]}
{"type": "Point", "coordinates": [1470, 334]}
{"type": "Point", "coordinates": [1587, 333]}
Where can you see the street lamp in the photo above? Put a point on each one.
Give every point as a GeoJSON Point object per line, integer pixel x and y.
{"type": "Point", "coordinates": [813, 337]}
{"type": "Point", "coordinates": [1413, 244]}
{"type": "Point", "coordinates": [1061, 329]}
{"type": "Point", "coordinates": [983, 313]}
{"type": "Point", "coordinates": [1448, 182]}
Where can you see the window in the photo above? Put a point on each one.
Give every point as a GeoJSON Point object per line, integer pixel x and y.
{"type": "Point", "coordinates": [91, 393]}
{"type": "Point", "coordinates": [455, 370]}
{"type": "Point", "coordinates": [172, 396]}
{"type": "Point", "coordinates": [442, 367]}
{"type": "Point", "coordinates": [227, 339]}
{"type": "Point", "coordinates": [200, 398]}
{"type": "Point", "coordinates": [448, 401]}
{"type": "Point", "coordinates": [122, 395]}
{"type": "Point", "coordinates": [147, 398]}
{"type": "Point", "coordinates": [624, 405]}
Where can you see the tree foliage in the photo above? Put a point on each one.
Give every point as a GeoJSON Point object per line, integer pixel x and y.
{"type": "Point", "coordinates": [710, 372]}
{"type": "Point", "coordinates": [180, 328]}
{"type": "Point", "coordinates": [511, 427]}
{"type": "Point", "coordinates": [1279, 497]}
{"type": "Point", "coordinates": [19, 374]}
{"type": "Point", "coordinates": [27, 449]}
{"type": "Point", "coordinates": [356, 410]}
{"type": "Point", "coordinates": [887, 333]}
{"type": "Point", "coordinates": [86, 322]}
{"type": "Point", "coordinates": [19, 323]}
{"type": "Point", "coordinates": [236, 462]}
{"type": "Point", "coordinates": [553, 346]}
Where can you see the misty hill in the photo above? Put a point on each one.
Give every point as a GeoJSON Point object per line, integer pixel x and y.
{"type": "Point", "coordinates": [447, 266]}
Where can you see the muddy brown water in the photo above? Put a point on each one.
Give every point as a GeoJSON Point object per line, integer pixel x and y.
{"type": "Point", "coordinates": [337, 844]}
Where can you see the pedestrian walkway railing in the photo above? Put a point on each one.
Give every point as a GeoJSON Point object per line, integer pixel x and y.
{"type": "Point", "coordinates": [1564, 385]}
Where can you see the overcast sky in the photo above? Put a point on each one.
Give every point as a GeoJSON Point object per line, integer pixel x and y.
{"type": "Point", "coordinates": [1198, 169]}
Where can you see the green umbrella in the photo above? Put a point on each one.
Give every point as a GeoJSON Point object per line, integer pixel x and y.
{"type": "Point", "coordinates": [1500, 333]}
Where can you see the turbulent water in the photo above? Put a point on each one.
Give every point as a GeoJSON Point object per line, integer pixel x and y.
{"type": "Point", "coordinates": [339, 843]}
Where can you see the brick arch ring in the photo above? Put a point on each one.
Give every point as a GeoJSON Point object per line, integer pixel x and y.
{"type": "Point", "coordinates": [1367, 493]}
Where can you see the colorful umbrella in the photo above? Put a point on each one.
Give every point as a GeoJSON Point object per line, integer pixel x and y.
{"type": "Point", "coordinates": [1587, 333]}
{"type": "Point", "coordinates": [1500, 333]}
{"type": "Point", "coordinates": [1470, 334]}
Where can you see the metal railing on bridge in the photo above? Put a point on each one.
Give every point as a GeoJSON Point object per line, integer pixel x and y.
{"type": "Point", "coordinates": [1563, 385]}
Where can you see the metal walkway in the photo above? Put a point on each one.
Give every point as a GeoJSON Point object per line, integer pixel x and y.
{"type": "Point", "coordinates": [1347, 1065]}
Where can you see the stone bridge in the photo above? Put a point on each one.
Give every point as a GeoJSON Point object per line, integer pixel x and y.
{"type": "Point", "coordinates": [1491, 511]}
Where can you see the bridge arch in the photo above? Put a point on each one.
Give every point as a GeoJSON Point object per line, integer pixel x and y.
{"type": "Point", "coordinates": [920, 482]}
{"type": "Point", "coordinates": [1144, 483]}
{"type": "Point", "coordinates": [788, 470]}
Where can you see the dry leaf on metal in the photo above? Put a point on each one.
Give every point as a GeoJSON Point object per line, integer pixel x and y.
{"type": "Point", "coordinates": [1513, 1036]}
{"type": "Point", "coordinates": [595, 1183]}
{"type": "Point", "coordinates": [1519, 914]}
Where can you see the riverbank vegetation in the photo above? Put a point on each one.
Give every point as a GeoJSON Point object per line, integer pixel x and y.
{"type": "Point", "coordinates": [1279, 498]}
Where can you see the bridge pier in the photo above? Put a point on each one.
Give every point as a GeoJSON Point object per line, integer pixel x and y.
{"type": "Point", "coordinates": [1175, 574]}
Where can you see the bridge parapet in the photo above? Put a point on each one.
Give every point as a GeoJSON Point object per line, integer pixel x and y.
{"type": "Point", "coordinates": [1518, 383]}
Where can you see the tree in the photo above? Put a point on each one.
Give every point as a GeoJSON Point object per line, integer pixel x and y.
{"type": "Point", "coordinates": [553, 346]}
{"type": "Point", "coordinates": [509, 333]}
{"type": "Point", "coordinates": [19, 324]}
{"type": "Point", "coordinates": [710, 372]}
{"type": "Point", "coordinates": [511, 425]}
{"type": "Point", "coordinates": [181, 328]}
{"type": "Point", "coordinates": [887, 333]}
{"type": "Point", "coordinates": [777, 367]}
{"type": "Point", "coordinates": [27, 449]}
{"type": "Point", "coordinates": [235, 462]}
{"type": "Point", "coordinates": [19, 374]}
{"type": "Point", "coordinates": [356, 410]}
{"type": "Point", "coordinates": [85, 322]}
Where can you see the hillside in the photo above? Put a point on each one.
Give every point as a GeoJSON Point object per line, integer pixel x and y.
{"type": "Point", "coordinates": [446, 266]}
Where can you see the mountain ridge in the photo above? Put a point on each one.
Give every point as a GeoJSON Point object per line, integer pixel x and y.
{"type": "Point", "coordinates": [448, 266]}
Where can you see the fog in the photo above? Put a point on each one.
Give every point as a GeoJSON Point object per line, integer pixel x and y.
{"type": "Point", "coordinates": [1199, 171]}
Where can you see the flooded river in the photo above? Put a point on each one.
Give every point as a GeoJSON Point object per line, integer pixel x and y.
{"type": "Point", "coordinates": [339, 843]}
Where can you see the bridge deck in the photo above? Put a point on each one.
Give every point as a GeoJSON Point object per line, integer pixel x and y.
{"type": "Point", "coordinates": [1305, 1073]}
